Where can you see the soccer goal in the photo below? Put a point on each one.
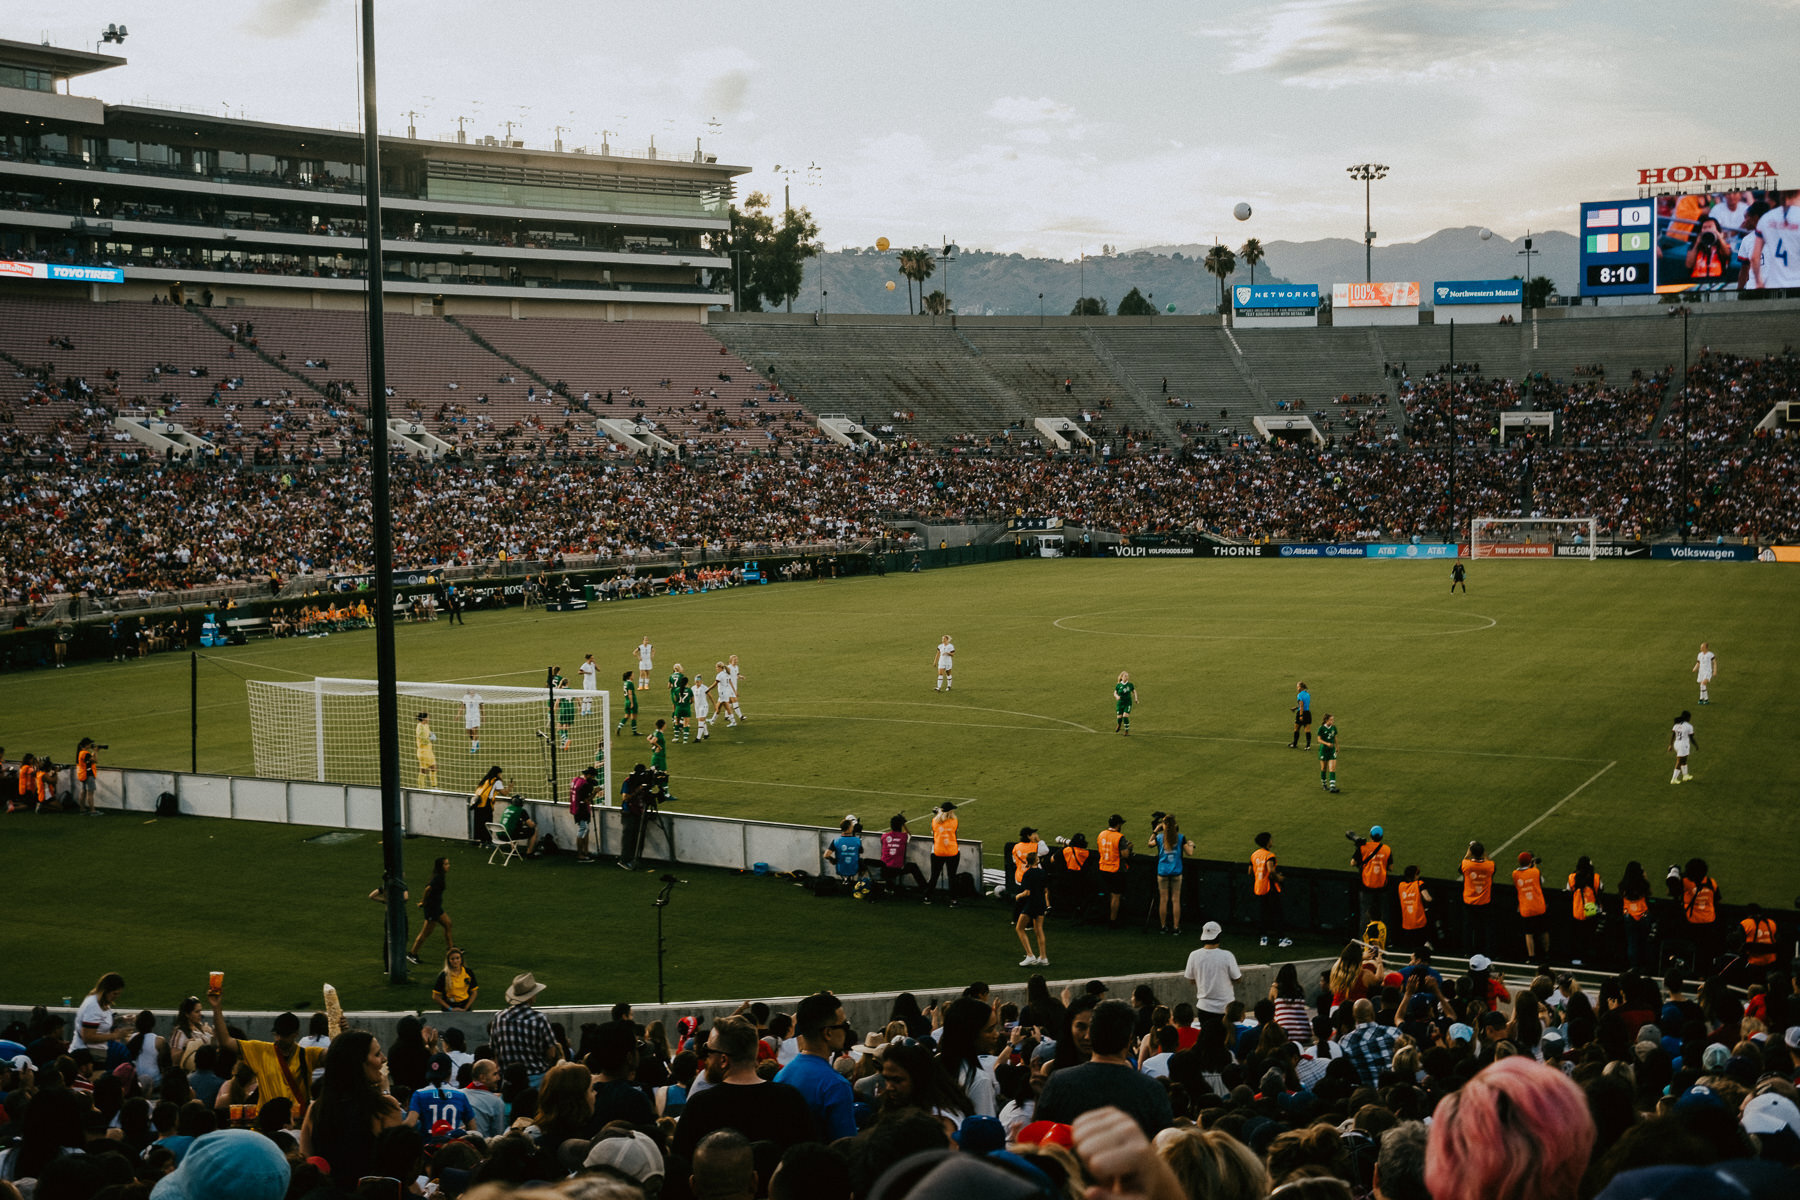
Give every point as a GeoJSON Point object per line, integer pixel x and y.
{"type": "Point", "coordinates": [324, 729]}
{"type": "Point", "coordinates": [1534, 537]}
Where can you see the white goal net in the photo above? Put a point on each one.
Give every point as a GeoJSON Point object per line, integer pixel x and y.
{"type": "Point", "coordinates": [1534, 537]}
{"type": "Point", "coordinates": [325, 729]}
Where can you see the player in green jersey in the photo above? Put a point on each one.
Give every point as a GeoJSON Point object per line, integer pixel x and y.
{"type": "Point", "coordinates": [684, 710]}
{"type": "Point", "coordinates": [1124, 696]}
{"type": "Point", "coordinates": [659, 746]}
{"type": "Point", "coordinates": [1328, 754]}
{"type": "Point", "coordinates": [631, 707]}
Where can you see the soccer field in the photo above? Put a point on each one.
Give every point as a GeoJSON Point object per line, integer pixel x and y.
{"type": "Point", "coordinates": [1532, 712]}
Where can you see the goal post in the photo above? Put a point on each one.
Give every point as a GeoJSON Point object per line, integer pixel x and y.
{"type": "Point", "coordinates": [325, 729]}
{"type": "Point", "coordinates": [1534, 537]}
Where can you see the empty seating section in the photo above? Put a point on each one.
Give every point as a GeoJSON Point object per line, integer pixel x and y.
{"type": "Point", "coordinates": [165, 361]}
{"type": "Point", "coordinates": [696, 392]}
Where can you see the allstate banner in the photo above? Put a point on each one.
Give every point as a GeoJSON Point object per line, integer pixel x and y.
{"type": "Point", "coordinates": [1375, 295]}
{"type": "Point", "coordinates": [1478, 291]}
{"type": "Point", "coordinates": [1259, 298]}
{"type": "Point", "coordinates": [1705, 553]}
{"type": "Point", "coordinates": [1411, 550]}
{"type": "Point", "coordinates": [1322, 550]}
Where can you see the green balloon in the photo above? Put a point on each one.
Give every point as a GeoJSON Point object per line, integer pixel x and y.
{"type": "Point", "coordinates": [1171, 308]}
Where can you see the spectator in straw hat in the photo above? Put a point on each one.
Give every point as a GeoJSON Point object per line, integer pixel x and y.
{"type": "Point", "coordinates": [522, 1034]}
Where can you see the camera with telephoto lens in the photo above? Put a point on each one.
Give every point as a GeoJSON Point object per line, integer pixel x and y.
{"type": "Point", "coordinates": [102, 747]}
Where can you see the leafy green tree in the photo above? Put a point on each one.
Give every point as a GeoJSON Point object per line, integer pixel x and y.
{"type": "Point", "coordinates": [936, 304]}
{"type": "Point", "coordinates": [1134, 305]}
{"type": "Point", "coordinates": [1220, 262]}
{"type": "Point", "coordinates": [1537, 291]}
{"type": "Point", "coordinates": [769, 252]}
{"type": "Point", "coordinates": [1089, 306]}
{"type": "Point", "coordinates": [1251, 253]}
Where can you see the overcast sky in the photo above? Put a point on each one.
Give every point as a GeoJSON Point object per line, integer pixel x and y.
{"type": "Point", "coordinates": [1046, 128]}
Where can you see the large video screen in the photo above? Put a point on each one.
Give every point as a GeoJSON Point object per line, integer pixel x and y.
{"type": "Point", "coordinates": [1702, 241]}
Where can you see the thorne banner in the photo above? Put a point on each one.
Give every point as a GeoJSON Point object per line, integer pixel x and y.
{"type": "Point", "coordinates": [1375, 295]}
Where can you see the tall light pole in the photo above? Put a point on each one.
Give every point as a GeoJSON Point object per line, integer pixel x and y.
{"type": "Point", "coordinates": [1368, 173]}
{"type": "Point", "coordinates": [947, 257]}
{"type": "Point", "coordinates": [1527, 252]}
{"type": "Point", "coordinates": [812, 173]}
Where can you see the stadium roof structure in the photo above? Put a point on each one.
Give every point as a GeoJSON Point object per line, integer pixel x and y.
{"type": "Point", "coordinates": [60, 61]}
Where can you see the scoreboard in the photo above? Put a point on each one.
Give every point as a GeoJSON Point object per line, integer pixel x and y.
{"type": "Point", "coordinates": [1618, 248]}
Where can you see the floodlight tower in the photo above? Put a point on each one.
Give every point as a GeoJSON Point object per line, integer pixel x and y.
{"type": "Point", "coordinates": [1368, 173]}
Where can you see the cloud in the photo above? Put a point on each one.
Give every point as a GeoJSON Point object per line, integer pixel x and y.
{"type": "Point", "coordinates": [284, 18]}
{"type": "Point", "coordinates": [725, 95]}
{"type": "Point", "coordinates": [1022, 110]}
{"type": "Point", "coordinates": [1339, 43]}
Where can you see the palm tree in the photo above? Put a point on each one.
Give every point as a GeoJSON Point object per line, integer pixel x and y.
{"type": "Point", "coordinates": [917, 265]}
{"type": "Point", "coordinates": [1251, 253]}
{"type": "Point", "coordinates": [1220, 262]}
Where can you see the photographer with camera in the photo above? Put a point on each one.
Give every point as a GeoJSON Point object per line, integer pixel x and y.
{"type": "Point", "coordinates": [1709, 253]}
{"type": "Point", "coordinates": [86, 768]}
{"type": "Point", "coordinates": [1372, 858]}
{"type": "Point", "coordinates": [1114, 857]}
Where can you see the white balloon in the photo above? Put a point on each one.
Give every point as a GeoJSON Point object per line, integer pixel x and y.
{"type": "Point", "coordinates": [1242, 211]}
{"type": "Point", "coordinates": [1486, 234]}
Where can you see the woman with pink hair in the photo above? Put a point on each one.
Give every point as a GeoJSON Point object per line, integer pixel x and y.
{"type": "Point", "coordinates": [1517, 1131]}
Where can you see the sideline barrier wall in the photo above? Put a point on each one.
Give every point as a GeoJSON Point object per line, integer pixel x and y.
{"type": "Point", "coordinates": [669, 836]}
{"type": "Point", "coordinates": [865, 1011]}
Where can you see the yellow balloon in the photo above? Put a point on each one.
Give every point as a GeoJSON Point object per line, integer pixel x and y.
{"type": "Point", "coordinates": [882, 244]}
{"type": "Point", "coordinates": [890, 285]}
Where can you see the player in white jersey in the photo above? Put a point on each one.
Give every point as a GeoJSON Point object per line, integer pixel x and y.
{"type": "Point", "coordinates": [471, 702]}
{"type": "Point", "coordinates": [726, 693]}
{"type": "Point", "coordinates": [702, 710]}
{"type": "Point", "coordinates": [644, 649]}
{"type": "Point", "coordinates": [1706, 669]}
{"type": "Point", "coordinates": [946, 660]}
{"type": "Point", "coordinates": [1681, 744]}
{"type": "Point", "coordinates": [1773, 251]}
{"type": "Point", "coordinates": [737, 687]}
{"type": "Point", "coordinates": [590, 682]}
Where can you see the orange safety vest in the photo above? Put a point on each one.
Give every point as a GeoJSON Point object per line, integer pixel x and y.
{"type": "Point", "coordinates": [84, 765]}
{"type": "Point", "coordinates": [27, 781]}
{"type": "Point", "coordinates": [1109, 850]}
{"type": "Point", "coordinates": [1637, 909]}
{"type": "Point", "coordinates": [1412, 905]}
{"type": "Point", "coordinates": [1760, 934]}
{"type": "Point", "coordinates": [1019, 852]}
{"type": "Point", "coordinates": [1262, 869]}
{"type": "Point", "coordinates": [943, 835]}
{"type": "Point", "coordinates": [1478, 880]}
{"type": "Point", "coordinates": [1375, 865]}
{"type": "Point", "coordinates": [1580, 898]}
{"type": "Point", "coordinates": [1698, 901]}
{"type": "Point", "coordinates": [1528, 883]}
{"type": "Point", "coordinates": [1074, 857]}
{"type": "Point", "coordinates": [46, 787]}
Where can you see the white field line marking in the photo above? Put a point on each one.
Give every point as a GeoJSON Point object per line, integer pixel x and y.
{"type": "Point", "coordinates": [838, 716]}
{"type": "Point", "coordinates": [819, 787]}
{"type": "Point", "coordinates": [1515, 837]}
{"type": "Point", "coordinates": [1011, 712]}
{"type": "Point", "coordinates": [1247, 637]}
{"type": "Point", "coordinates": [1201, 737]}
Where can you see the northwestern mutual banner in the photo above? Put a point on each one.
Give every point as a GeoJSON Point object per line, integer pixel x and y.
{"type": "Point", "coordinates": [1478, 291]}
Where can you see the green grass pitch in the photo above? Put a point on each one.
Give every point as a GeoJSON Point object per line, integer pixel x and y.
{"type": "Point", "coordinates": [1532, 712]}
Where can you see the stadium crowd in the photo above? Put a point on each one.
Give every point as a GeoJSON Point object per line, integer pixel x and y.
{"type": "Point", "coordinates": [1404, 1081]}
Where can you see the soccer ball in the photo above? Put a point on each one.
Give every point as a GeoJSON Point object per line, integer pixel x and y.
{"type": "Point", "coordinates": [1242, 211]}
{"type": "Point", "coordinates": [862, 890]}
{"type": "Point", "coordinates": [998, 893]}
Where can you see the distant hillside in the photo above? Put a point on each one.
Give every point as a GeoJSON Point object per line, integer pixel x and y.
{"type": "Point", "coordinates": [981, 283]}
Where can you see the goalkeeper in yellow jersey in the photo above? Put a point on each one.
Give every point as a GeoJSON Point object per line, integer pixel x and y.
{"type": "Point", "coordinates": [422, 744]}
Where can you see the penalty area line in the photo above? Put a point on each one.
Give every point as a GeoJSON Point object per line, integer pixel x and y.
{"type": "Point", "coordinates": [819, 787]}
{"type": "Point", "coordinates": [1552, 809]}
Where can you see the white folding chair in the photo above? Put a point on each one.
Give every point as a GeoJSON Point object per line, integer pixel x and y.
{"type": "Point", "coordinates": [502, 841]}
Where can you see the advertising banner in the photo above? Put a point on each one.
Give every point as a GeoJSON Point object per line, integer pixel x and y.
{"type": "Point", "coordinates": [1606, 550]}
{"type": "Point", "coordinates": [1153, 551]}
{"type": "Point", "coordinates": [1478, 291]}
{"type": "Point", "coordinates": [1256, 299]}
{"type": "Point", "coordinates": [25, 270]}
{"type": "Point", "coordinates": [1518, 550]}
{"type": "Point", "coordinates": [1322, 550]}
{"type": "Point", "coordinates": [1421, 550]}
{"type": "Point", "coordinates": [1705, 553]}
{"type": "Point", "coordinates": [1375, 295]}
{"type": "Point", "coordinates": [1782, 554]}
